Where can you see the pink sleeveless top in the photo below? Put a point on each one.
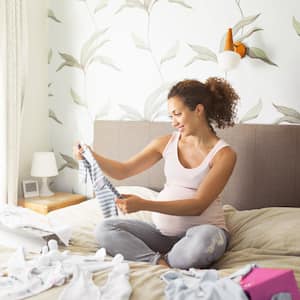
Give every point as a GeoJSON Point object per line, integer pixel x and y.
{"type": "Point", "coordinates": [182, 183]}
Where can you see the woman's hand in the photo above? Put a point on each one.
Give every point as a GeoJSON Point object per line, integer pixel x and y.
{"type": "Point", "coordinates": [130, 203]}
{"type": "Point", "coordinates": [77, 151]}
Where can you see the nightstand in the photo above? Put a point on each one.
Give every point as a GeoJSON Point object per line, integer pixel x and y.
{"type": "Point", "coordinates": [44, 205]}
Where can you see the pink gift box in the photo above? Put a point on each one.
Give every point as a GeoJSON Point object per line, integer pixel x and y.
{"type": "Point", "coordinates": [263, 283]}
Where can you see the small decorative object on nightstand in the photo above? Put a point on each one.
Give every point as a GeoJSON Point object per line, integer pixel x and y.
{"type": "Point", "coordinates": [30, 188]}
{"type": "Point", "coordinates": [44, 205]}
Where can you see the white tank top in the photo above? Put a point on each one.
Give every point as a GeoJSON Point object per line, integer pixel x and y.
{"type": "Point", "coordinates": [182, 183]}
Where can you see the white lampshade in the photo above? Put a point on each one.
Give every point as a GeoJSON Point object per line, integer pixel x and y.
{"type": "Point", "coordinates": [44, 165]}
{"type": "Point", "coordinates": [228, 60]}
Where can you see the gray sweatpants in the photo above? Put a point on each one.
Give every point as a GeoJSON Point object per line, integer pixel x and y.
{"type": "Point", "coordinates": [199, 247]}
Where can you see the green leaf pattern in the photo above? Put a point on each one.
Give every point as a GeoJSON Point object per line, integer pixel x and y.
{"type": "Point", "coordinates": [105, 60]}
{"type": "Point", "coordinates": [243, 22]}
{"type": "Point", "coordinates": [102, 4]}
{"type": "Point", "coordinates": [52, 16]}
{"type": "Point", "coordinates": [52, 115]}
{"type": "Point", "coordinates": [237, 27]}
{"type": "Point", "coordinates": [70, 61]}
{"type": "Point", "coordinates": [139, 43]}
{"type": "Point", "coordinates": [180, 2]}
{"type": "Point", "coordinates": [252, 113]}
{"type": "Point", "coordinates": [248, 34]}
{"type": "Point", "coordinates": [77, 99]}
{"type": "Point", "coordinates": [171, 53]}
{"type": "Point", "coordinates": [132, 4]}
{"type": "Point", "coordinates": [70, 161]}
{"type": "Point", "coordinates": [156, 101]}
{"type": "Point", "coordinates": [258, 53]}
{"type": "Point", "coordinates": [296, 25]}
{"type": "Point", "coordinates": [290, 115]}
{"type": "Point", "coordinates": [203, 53]}
{"type": "Point", "coordinates": [91, 46]}
{"type": "Point", "coordinates": [50, 52]}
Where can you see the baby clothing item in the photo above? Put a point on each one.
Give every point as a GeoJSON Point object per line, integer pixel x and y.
{"type": "Point", "coordinates": [103, 188]}
{"type": "Point", "coordinates": [117, 286]}
{"type": "Point", "coordinates": [23, 227]}
{"type": "Point", "coordinates": [207, 285]}
{"type": "Point", "coordinates": [82, 287]}
{"type": "Point", "coordinates": [26, 278]}
{"type": "Point", "coordinates": [182, 183]}
{"type": "Point", "coordinates": [201, 285]}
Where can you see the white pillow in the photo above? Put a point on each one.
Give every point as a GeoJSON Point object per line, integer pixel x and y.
{"type": "Point", "coordinates": [89, 211]}
{"type": "Point", "coordinates": [272, 228]}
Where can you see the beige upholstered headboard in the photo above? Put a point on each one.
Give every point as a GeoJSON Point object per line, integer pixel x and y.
{"type": "Point", "coordinates": [267, 172]}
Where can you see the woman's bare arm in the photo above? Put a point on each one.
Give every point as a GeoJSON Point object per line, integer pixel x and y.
{"type": "Point", "coordinates": [143, 160]}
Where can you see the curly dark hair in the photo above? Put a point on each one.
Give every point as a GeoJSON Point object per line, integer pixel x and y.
{"type": "Point", "coordinates": [216, 95]}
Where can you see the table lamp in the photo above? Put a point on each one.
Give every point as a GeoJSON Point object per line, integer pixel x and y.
{"type": "Point", "coordinates": [44, 165]}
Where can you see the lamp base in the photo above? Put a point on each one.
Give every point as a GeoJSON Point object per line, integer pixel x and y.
{"type": "Point", "coordinates": [44, 190]}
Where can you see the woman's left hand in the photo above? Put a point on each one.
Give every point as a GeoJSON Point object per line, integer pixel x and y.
{"type": "Point", "coordinates": [130, 203]}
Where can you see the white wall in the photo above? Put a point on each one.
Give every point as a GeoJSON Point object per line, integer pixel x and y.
{"type": "Point", "coordinates": [35, 129]}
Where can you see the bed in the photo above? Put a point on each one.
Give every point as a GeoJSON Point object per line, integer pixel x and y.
{"type": "Point", "coordinates": [261, 201]}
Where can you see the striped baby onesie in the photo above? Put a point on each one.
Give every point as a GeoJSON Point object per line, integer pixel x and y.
{"type": "Point", "coordinates": [104, 190]}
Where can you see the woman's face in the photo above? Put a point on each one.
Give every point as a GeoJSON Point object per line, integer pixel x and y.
{"type": "Point", "coordinates": [183, 119]}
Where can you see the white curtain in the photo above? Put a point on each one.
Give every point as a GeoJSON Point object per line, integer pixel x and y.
{"type": "Point", "coordinates": [13, 68]}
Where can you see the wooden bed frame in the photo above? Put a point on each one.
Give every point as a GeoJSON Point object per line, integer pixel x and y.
{"type": "Point", "coordinates": [267, 172]}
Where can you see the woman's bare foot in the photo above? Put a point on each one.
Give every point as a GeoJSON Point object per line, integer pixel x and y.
{"type": "Point", "coordinates": [162, 262]}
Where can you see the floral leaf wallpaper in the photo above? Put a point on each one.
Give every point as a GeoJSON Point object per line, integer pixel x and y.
{"type": "Point", "coordinates": [49, 92]}
{"type": "Point", "coordinates": [102, 4]}
{"type": "Point", "coordinates": [238, 26]}
{"type": "Point", "coordinates": [180, 3]}
{"type": "Point", "coordinates": [255, 52]}
{"type": "Point", "coordinates": [242, 37]}
{"type": "Point", "coordinates": [105, 60]}
{"type": "Point", "coordinates": [52, 16]}
{"type": "Point", "coordinates": [70, 61]}
{"type": "Point", "coordinates": [53, 117]}
{"type": "Point", "coordinates": [154, 102]}
{"type": "Point", "coordinates": [116, 60]}
{"type": "Point", "coordinates": [290, 115]}
{"type": "Point", "coordinates": [243, 22]}
{"type": "Point", "coordinates": [77, 99]}
{"type": "Point", "coordinates": [251, 52]}
{"type": "Point", "coordinates": [70, 162]}
{"type": "Point", "coordinates": [203, 53]}
{"type": "Point", "coordinates": [139, 42]}
{"type": "Point", "coordinates": [252, 113]}
{"type": "Point", "coordinates": [172, 53]}
{"type": "Point", "coordinates": [91, 46]}
{"type": "Point", "coordinates": [296, 25]}
{"type": "Point", "coordinates": [50, 53]}
{"type": "Point", "coordinates": [133, 4]}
